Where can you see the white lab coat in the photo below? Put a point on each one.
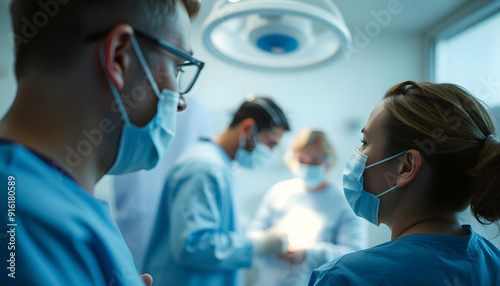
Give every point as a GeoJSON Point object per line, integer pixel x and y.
{"type": "Point", "coordinates": [320, 222]}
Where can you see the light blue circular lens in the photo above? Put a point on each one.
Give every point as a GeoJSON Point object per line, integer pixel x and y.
{"type": "Point", "coordinates": [277, 43]}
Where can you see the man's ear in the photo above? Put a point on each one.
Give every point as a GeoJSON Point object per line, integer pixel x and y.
{"type": "Point", "coordinates": [116, 48]}
{"type": "Point", "coordinates": [246, 127]}
{"type": "Point", "coordinates": [409, 167]}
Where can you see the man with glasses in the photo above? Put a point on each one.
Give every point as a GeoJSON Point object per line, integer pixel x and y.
{"type": "Point", "coordinates": [195, 240]}
{"type": "Point", "coordinates": [99, 85]}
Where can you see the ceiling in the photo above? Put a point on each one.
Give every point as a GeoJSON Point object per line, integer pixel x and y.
{"type": "Point", "coordinates": [416, 16]}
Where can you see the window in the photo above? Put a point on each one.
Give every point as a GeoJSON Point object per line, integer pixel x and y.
{"type": "Point", "coordinates": [471, 56]}
{"type": "Point", "coordinates": [467, 53]}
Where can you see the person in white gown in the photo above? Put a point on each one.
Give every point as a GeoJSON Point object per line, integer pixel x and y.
{"type": "Point", "coordinates": [313, 213]}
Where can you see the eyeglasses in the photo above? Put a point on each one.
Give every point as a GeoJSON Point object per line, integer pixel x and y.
{"type": "Point", "coordinates": [190, 69]}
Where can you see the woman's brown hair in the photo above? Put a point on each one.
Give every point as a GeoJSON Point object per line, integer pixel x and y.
{"type": "Point", "coordinates": [455, 134]}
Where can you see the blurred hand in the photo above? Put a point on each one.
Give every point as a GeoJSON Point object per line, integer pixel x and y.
{"type": "Point", "coordinates": [273, 241]}
{"type": "Point", "coordinates": [295, 257]}
{"type": "Point", "coordinates": [148, 280]}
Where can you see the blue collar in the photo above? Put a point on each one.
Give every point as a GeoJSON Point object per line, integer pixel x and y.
{"type": "Point", "coordinates": [226, 157]}
{"type": "Point", "coordinates": [47, 160]}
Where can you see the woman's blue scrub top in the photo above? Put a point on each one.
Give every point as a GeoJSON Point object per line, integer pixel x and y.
{"type": "Point", "coordinates": [417, 259]}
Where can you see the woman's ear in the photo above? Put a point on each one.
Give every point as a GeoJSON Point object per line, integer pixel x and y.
{"type": "Point", "coordinates": [116, 48]}
{"type": "Point", "coordinates": [409, 167]}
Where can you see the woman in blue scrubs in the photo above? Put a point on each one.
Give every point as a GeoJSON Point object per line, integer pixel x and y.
{"type": "Point", "coordinates": [428, 152]}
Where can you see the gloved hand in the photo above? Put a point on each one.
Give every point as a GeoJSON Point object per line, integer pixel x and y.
{"type": "Point", "coordinates": [295, 257]}
{"type": "Point", "coordinates": [273, 241]}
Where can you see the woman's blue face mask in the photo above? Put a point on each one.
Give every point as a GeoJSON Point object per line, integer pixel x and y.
{"type": "Point", "coordinates": [363, 203]}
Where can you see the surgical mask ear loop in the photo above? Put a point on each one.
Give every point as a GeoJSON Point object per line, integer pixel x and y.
{"type": "Point", "coordinates": [385, 160]}
{"type": "Point", "coordinates": [145, 67]}
{"type": "Point", "coordinates": [243, 143]}
{"type": "Point", "coordinates": [113, 88]}
{"type": "Point", "coordinates": [379, 195]}
{"type": "Point", "coordinates": [256, 135]}
{"type": "Point", "coordinates": [380, 162]}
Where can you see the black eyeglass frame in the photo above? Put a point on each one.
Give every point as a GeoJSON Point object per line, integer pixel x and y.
{"type": "Point", "coordinates": [171, 48]}
{"type": "Point", "coordinates": [190, 60]}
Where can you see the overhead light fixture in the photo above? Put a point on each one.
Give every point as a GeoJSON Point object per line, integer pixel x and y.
{"type": "Point", "coordinates": [276, 34]}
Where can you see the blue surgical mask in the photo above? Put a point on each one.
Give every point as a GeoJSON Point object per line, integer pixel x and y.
{"type": "Point", "coordinates": [141, 148]}
{"type": "Point", "coordinates": [313, 175]}
{"type": "Point", "coordinates": [363, 203]}
{"type": "Point", "coordinates": [256, 158]}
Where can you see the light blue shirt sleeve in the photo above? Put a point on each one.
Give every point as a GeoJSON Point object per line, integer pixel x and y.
{"type": "Point", "coordinates": [200, 237]}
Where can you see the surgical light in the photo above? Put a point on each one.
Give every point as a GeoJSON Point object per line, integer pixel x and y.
{"type": "Point", "coordinates": [276, 34]}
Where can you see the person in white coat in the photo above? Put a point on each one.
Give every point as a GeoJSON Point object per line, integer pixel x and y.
{"type": "Point", "coordinates": [313, 212]}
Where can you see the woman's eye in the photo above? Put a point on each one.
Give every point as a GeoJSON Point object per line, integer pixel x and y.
{"type": "Point", "coordinates": [363, 142]}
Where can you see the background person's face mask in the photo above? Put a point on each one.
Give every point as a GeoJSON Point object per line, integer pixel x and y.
{"type": "Point", "coordinates": [258, 157]}
{"type": "Point", "coordinates": [141, 148]}
{"type": "Point", "coordinates": [363, 203]}
{"type": "Point", "coordinates": [313, 175]}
